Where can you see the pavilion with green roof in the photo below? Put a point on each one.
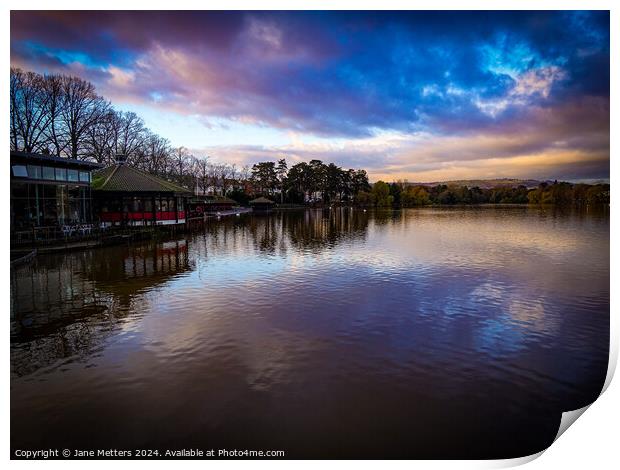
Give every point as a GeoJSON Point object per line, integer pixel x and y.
{"type": "Point", "coordinates": [261, 204]}
{"type": "Point", "coordinates": [124, 195]}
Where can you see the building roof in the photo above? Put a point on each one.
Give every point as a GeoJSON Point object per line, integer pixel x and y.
{"type": "Point", "coordinates": [261, 200]}
{"type": "Point", "coordinates": [125, 178]}
{"type": "Point", "coordinates": [39, 158]}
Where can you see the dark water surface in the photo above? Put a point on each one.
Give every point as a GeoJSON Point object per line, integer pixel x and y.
{"type": "Point", "coordinates": [418, 333]}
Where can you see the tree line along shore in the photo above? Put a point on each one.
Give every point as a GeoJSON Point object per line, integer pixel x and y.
{"type": "Point", "coordinates": [557, 193]}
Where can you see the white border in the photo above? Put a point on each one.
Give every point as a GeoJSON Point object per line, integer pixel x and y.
{"type": "Point", "coordinates": [592, 442]}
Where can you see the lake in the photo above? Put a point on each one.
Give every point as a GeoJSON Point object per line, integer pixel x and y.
{"type": "Point", "coordinates": [419, 333]}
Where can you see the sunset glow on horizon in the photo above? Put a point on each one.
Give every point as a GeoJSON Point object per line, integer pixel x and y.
{"type": "Point", "coordinates": [423, 96]}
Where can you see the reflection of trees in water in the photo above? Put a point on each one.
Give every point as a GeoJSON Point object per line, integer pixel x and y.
{"type": "Point", "coordinates": [66, 305]}
{"type": "Point", "coordinates": [319, 229]}
{"type": "Point", "coordinates": [386, 216]}
{"type": "Point", "coordinates": [265, 233]}
{"type": "Point", "coordinates": [571, 213]}
{"type": "Point", "coordinates": [277, 232]}
{"type": "Point", "coordinates": [225, 235]}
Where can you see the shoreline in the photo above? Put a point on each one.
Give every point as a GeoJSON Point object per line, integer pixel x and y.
{"type": "Point", "coordinates": [129, 235]}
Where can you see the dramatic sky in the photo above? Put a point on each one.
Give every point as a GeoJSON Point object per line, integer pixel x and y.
{"type": "Point", "coordinates": [425, 96]}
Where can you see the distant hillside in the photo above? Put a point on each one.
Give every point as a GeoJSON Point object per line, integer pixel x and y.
{"type": "Point", "coordinates": [486, 184]}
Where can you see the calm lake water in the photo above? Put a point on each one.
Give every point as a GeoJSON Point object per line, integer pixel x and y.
{"type": "Point", "coordinates": [418, 333]}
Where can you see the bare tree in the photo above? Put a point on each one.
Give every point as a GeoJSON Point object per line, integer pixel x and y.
{"type": "Point", "coordinates": [212, 177]}
{"type": "Point", "coordinates": [28, 117]}
{"type": "Point", "coordinates": [222, 171]}
{"type": "Point", "coordinates": [233, 174]}
{"type": "Point", "coordinates": [14, 91]}
{"type": "Point", "coordinates": [244, 176]}
{"type": "Point", "coordinates": [181, 157]}
{"type": "Point", "coordinates": [190, 180]}
{"type": "Point", "coordinates": [100, 138]}
{"type": "Point", "coordinates": [81, 109]}
{"type": "Point", "coordinates": [202, 172]}
{"type": "Point", "coordinates": [129, 134]}
{"type": "Point", "coordinates": [56, 135]}
{"type": "Point", "coordinates": [155, 152]}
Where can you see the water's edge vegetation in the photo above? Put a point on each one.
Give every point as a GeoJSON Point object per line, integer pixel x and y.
{"type": "Point", "coordinates": [558, 193]}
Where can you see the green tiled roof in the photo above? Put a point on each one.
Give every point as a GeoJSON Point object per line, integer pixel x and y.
{"type": "Point", "coordinates": [125, 178]}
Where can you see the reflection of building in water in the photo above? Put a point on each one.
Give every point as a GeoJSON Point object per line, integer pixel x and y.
{"type": "Point", "coordinates": [49, 291]}
{"type": "Point", "coordinates": [141, 268]}
{"type": "Point", "coordinates": [66, 305]}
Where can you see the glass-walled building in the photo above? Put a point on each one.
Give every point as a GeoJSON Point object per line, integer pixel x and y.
{"type": "Point", "coordinates": [49, 191]}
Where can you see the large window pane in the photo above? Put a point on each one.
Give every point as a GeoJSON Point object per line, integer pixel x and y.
{"type": "Point", "coordinates": [50, 212]}
{"type": "Point", "coordinates": [85, 208]}
{"type": "Point", "coordinates": [137, 205]}
{"type": "Point", "coordinates": [20, 171]}
{"type": "Point", "coordinates": [48, 173]}
{"type": "Point", "coordinates": [34, 172]}
{"type": "Point", "coordinates": [61, 174]}
{"type": "Point", "coordinates": [36, 208]}
{"type": "Point", "coordinates": [74, 210]}
{"type": "Point", "coordinates": [62, 204]}
{"type": "Point", "coordinates": [72, 175]}
{"type": "Point", "coordinates": [84, 176]}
